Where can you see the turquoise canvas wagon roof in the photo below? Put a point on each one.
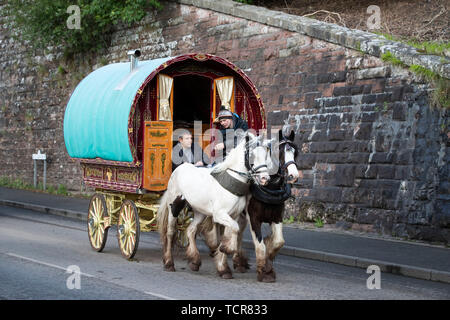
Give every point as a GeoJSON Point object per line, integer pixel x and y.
{"type": "Point", "coordinates": [96, 117]}
{"type": "Point", "coordinates": [101, 108]}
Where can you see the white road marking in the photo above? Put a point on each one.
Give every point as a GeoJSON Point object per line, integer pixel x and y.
{"type": "Point", "coordinates": [44, 263]}
{"type": "Point", "coordinates": [159, 295]}
{"type": "Point", "coordinates": [81, 273]}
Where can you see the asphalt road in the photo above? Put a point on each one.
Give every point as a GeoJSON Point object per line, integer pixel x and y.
{"type": "Point", "coordinates": [36, 250]}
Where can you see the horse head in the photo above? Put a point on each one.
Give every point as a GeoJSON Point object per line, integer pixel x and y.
{"type": "Point", "coordinates": [288, 152]}
{"type": "Point", "coordinates": [256, 158]}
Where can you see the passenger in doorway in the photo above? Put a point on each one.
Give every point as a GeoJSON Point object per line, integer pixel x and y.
{"type": "Point", "coordinates": [229, 123]}
{"type": "Point", "coordinates": [186, 151]}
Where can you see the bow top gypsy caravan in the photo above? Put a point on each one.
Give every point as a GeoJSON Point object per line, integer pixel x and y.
{"type": "Point", "coordinates": [118, 124]}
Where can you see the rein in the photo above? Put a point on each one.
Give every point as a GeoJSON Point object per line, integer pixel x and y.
{"type": "Point", "coordinates": [287, 164]}
{"type": "Point", "coordinates": [251, 171]}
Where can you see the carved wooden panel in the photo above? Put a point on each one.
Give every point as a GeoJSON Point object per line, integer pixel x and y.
{"type": "Point", "coordinates": [157, 154]}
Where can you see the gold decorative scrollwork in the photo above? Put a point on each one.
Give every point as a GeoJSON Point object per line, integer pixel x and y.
{"type": "Point", "coordinates": [109, 174]}
{"type": "Point", "coordinates": [94, 172]}
{"type": "Point", "coordinates": [158, 134]}
{"type": "Point", "coordinates": [200, 57]}
{"type": "Point", "coordinates": [163, 162]}
{"type": "Point", "coordinates": [152, 160]}
{"type": "Point", "coordinates": [127, 176]}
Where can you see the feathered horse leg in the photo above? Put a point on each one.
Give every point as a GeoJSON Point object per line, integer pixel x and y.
{"type": "Point", "coordinates": [240, 261]}
{"type": "Point", "coordinates": [192, 252]}
{"type": "Point", "coordinates": [167, 230]}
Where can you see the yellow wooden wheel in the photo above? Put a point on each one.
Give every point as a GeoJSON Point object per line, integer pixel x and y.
{"type": "Point", "coordinates": [128, 229]}
{"type": "Point", "coordinates": [97, 222]}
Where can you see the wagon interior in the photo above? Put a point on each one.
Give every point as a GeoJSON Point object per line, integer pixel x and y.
{"type": "Point", "coordinates": [194, 98]}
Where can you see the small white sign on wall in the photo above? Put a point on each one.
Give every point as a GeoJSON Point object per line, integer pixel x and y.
{"type": "Point", "coordinates": [39, 156]}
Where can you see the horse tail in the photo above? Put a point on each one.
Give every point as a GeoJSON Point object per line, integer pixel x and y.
{"type": "Point", "coordinates": [206, 225]}
{"type": "Point", "coordinates": [162, 217]}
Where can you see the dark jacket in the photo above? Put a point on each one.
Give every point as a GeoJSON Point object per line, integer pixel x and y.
{"type": "Point", "coordinates": [229, 136]}
{"type": "Point", "coordinates": [197, 152]}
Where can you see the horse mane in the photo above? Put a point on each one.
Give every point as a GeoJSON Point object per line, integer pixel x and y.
{"type": "Point", "coordinates": [232, 156]}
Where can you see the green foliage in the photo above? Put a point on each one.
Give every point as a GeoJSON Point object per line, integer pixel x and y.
{"type": "Point", "coordinates": [424, 72]}
{"type": "Point", "coordinates": [390, 58]}
{"type": "Point", "coordinates": [430, 47]}
{"type": "Point", "coordinates": [318, 222]}
{"type": "Point", "coordinates": [425, 47]}
{"type": "Point", "coordinates": [14, 183]}
{"type": "Point", "coordinates": [440, 96]}
{"type": "Point", "coordinates": [61, 70]}
{"type": "Point", "coordinates": [51, 189]}
{"type": "Point", "coordinates": [290, 220]}
{"type": "Point", "coordinates": [20, 184]}
{"type": "Point", "coordinates": [62, 190]}
{"type": "Point", "coordinates": [43, 23]}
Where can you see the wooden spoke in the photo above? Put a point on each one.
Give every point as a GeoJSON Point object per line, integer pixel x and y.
{"type": "Point", "coordinates": [128, 229]}
{"type": "Point", "coordinates": [97, 230]}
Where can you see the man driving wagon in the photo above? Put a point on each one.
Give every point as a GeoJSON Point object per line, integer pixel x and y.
{"type": "Point", "coordinates": [229, 124]}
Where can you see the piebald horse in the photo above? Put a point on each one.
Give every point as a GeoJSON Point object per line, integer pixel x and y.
{"type": "Point", "coordinates": [198, 188]}
{"type": "Point", "coordinates": [266, 205]}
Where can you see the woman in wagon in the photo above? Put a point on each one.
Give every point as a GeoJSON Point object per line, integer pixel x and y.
{"type": "Point", "coordinates": [229, 124]}
{"type": "Point", "coordinates": [186, 151]}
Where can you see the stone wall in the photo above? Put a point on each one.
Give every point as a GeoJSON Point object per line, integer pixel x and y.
{"type": "Point", "coordinates": [374, 154]}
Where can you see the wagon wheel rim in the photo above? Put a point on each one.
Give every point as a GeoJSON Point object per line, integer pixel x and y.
{"type": "Point", "coordinates": [128, 229]}
{"type": "Point", "coordinates": [97, 222]}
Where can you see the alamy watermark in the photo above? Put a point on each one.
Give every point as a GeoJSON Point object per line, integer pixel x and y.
{"type": "Point", "coordinates": [374, 21]}
{"type": "Point", "coordinates": [214, 137]}
{"type": "Point", "coordinates": [74, 280]}
{"type": "Point", "coordinates": [374, 281]}
{"type": "Point", "coordinates": [74, 20]}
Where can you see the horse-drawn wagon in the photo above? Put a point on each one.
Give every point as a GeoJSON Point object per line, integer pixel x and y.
{"type": "Point", "coordinates": [119, 125]}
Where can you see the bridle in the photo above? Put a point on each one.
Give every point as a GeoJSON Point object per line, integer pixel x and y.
{"type": "Point", "coordinates": [280, 190]}
{"type": "Point", "coordinates": [282, 170]}
{"type": "Point", "coordinates": [251, 172]}
{"type": "Point", "coordinates": [290, 145]}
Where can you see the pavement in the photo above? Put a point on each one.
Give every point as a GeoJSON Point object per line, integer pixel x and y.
{"type": "Point", "coordinates": [417, 260]}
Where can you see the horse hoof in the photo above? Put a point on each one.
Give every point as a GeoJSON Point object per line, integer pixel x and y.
{"type": "Point", "coordinates": [240, 269]}
{"type": "Point", "coordinates": [194, 266]}
{"type": "Point", "coordinates": [169, 268]}
{"type": "Point", "coordinates": [226, 276]}
{"type": "Point", "coordinates": [268, 279]}
{"type": "Point", "coordinates": [268, 276]}
{"type": "Point", "coordinates": [260, 277]}
{"type": "Point", "coordinates": [241, 265]}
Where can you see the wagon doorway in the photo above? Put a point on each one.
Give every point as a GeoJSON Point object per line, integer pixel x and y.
{"type": "Point", "coordinates": [192, 102]}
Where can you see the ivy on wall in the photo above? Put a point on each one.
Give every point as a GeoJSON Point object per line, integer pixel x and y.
{"type": "Point", "coordinates": [44, 23]}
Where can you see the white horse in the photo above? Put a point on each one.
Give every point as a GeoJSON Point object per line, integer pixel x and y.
{"type": "Point", "coordinates": [207, 197]}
